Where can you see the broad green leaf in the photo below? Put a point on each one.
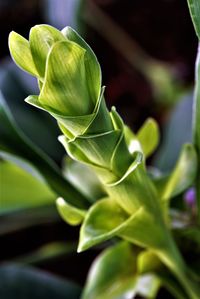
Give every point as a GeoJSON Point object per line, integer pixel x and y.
{"type": "Point", "coordinates": [26, 282]}
{"type": "Point", "coordinates": [105, 220]}
{"type": "Point", "coordinates": [42, 38]}
{"type": "Point", "coordinates": [19, 189]}
{"type": "Point", "coordinates": [73, 98]}
{"type": "Point", "coordinates": [84, 178]}
{"type": "Point", "coordinates": [135, 182]}
{"type": "Point", "coordinates": [70, 126]}
{"type": "Point", "coordinates": [194, 7]}
{"type": "Point", "coordinates": [182, 176]}
{"type": "Point", "coordinates": [70, 214]}
{"type": "Point", "coordinates": [21, 53]}
{"type": "Point", "coordinates": [14, 142]}
{"type": "Point", "coordinates": [100, 223]}
{"type": "Point", "coordinates": [92, 67]}
{"type": "Point", "coordinates": [113, 274]}
{"type": "Point", "coordinates": [16, 220]}
{"type": "Point", "coordinates": [99, 148]}
{"type": "Point", "coordinates": [147, 261]}
{"type": "Point", "coordinates": [148, 136]}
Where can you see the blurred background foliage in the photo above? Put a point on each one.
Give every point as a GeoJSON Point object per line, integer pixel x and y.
{"type": "Point", "coordinates": [147, 51]}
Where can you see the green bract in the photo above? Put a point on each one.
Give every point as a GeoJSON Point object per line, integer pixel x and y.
{"type": "Point", "coordinates": [73, 87]}
{"type": "Point", "coordinates": [134, 207]}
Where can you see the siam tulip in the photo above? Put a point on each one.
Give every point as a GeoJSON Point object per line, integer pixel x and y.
{"type": "Point", "coordinates": [69, 78]}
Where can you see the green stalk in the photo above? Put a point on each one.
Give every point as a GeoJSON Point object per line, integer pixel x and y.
{"type": "Point", "coordinates": [71, 92]}
{"type": "Point", "coordinates": [196, 129]}
{"type": "Point", "coordinates": [172, 258]}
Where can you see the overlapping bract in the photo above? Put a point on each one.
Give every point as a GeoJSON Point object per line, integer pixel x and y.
{"type": "Point", "coordinates": [69, 78]}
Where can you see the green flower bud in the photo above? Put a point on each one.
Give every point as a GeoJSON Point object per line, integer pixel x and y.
{"type": "Point", "coordinates": [68, 72]}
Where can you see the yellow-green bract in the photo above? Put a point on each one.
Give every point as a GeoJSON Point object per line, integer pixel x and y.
{"type": "Point", "coordinates": [65, 66]}
{"type": "Point", "coordinates": [69, 79]}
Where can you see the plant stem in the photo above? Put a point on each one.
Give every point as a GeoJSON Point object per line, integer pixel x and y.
{"type": "Point", "coordinates": [196, 129]}
{"type": "Point", "coordinates": [172, 258]}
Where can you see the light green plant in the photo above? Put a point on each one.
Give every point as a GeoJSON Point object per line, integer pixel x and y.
{"type": "Point", "coordinates": [135, 206]}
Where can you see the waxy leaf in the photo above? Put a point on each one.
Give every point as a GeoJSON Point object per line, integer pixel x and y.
{"type": "Point", "coordinates": [146, 140]}
{"type": "Point", "coordinates": [100, 223]}
{"type": "Point", "coordinates": [148, 136]}
{"type": "Point", "coordinates": [84, 178]}
{"type": "Point", "coordinates": [113, 274]}
{"type": "Point", "coordinates": [69, 214]}
{"type": "Point", "coordinates": [147, 261]}
{"type": "Point", "coordinates": [181, 177]}
{"type": "Point", "coordinates": [27, 282]}
{"type": "Point", "coordinates": [14, 142]}
{"type": "Point", "coordinates": [17, 46]}
{"type": "Point", "coordinates": [92, 67]}
{"type": "Point", "coordinates": [19, 189]}
{"type": "Point", "coordinates": [105, 220]}
{"type": "Point", "coordinates": [42, 38]}
{"type": "Point", "coordinates": [71, 98]}
{"type": "Point", "coordinates": [194, 7]}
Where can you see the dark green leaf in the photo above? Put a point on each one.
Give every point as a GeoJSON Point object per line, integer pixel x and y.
{"type": "Point", "coordinates": [25, 282]}
{"type": "Point", "coordinates": [112, 275]}
{"type": "Point", "coordinates": [194, 7]}
{"type": "Point", "coordinates": [19, 189]}
{"type": "Point", "coordinates": [13, 141]}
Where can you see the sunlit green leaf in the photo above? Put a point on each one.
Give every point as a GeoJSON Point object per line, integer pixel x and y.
{"type": "Point", "coordinates": [72, 98]}
{"type": "Point", "coordinates": [112, 275]}
{"type": "Point", "coordinates": [19, 45]}
{"type": "Point", "coordinates": [100, 223]}
{"type": "Point", "coordinates": [42, 38]}
{"type": "Point", "coordinates": [148, 136]}
{"type": "Point", "coordinates": [194, 6]}
{"type": "Point", "coordinates": [19, 189]}
{"type": "Point", "coordinates": [70, 214]}
{"type": "Point", "coordinates": [105, 220]}
{"type": "Point", "coordinates": [92, 67]}
{"type": "Point", "coordinates": [148, 262]}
